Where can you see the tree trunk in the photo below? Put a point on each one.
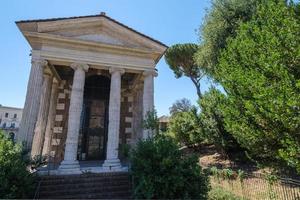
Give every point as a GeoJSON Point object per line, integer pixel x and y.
{"type": "Point", "coordinates": [197, 85]}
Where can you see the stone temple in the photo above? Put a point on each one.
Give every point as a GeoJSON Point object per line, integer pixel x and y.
{"type": "Point", "coordinates": [90, 87]}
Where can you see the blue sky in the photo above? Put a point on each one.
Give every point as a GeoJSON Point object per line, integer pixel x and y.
{"type": "Point", "coordinates": [169, 21]}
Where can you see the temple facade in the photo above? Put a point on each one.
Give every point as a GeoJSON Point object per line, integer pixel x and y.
{"type": "Point", "coordinates": [90, 86]}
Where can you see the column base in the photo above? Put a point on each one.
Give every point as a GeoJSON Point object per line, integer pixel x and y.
{"type": "Point", "coordinates": [112, 165]}
{"type": "Point", "coordinates": [69, 167]}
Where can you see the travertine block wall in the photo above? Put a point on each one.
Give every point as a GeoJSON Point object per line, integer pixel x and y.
{"type": "Point", "coordinates": [137, 115]}
{"type": "Point", "coordinates": [61, 123]}
{"type": "Point", "coordinates": [131, 117]}
{"type": "Point", "coordinates": [126, 120]}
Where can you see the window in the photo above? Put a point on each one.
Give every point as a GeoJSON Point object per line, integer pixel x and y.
{"type": "Point", "coordinates": [15, 116]}
{"type": "Point", "coordinates": [12, 125]}
{"type": "Point", "coordinates": [4, 125]}
{"type": "Point", "coordinates": [6, 115]}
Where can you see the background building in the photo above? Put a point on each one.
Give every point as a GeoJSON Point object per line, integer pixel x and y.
{"type": "Point", "coordinates": [163, 123]}
{"type": "Point", "coordinates": [10, 119]}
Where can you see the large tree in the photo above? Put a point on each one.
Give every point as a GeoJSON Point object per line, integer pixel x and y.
{"type": "Point", "coordinates": [220, 23]}
{"type": "Point", "coordinates": [180, 58]}
{"type": "Point", "coordinates": [260, 70]}
{"type": "Point", "coordinates": [181, 105]}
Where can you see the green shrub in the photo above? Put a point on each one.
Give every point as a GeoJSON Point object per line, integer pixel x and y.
{"type": "Point", "coordinates": [151, 122]}
{"type": "Point", "coordinates": [124, 150]}
{"type": "Point", "coordinates": [15, 180]}
{"type": "Point", "coordinates": [186, 127]}
{"type": "Point", "coordinates": [212, 122]}
{"type": "Point", "coordinates": [218, 193]}
{"type": "Point", "coordinates": [160, 171]}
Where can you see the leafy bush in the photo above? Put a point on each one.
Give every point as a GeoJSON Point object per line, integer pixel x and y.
{"type": "Point", "coordinates": [225, 174]}
{"type": "Point", "coordinates": [151, 122]}
{"type": "Point", "coordinates": [124, 150]}
{"type": "Point", "coordinates": [15, 180]}
{"type": "Point", "coordinates": [186, 127]}
{"type": "Point", "coordinates": [160, 171]}
{"type": "Point", "coordinates": [220, 194]}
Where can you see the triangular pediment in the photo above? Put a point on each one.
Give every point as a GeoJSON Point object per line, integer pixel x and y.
{"type": "Point", "coordinates": [98, 29]}
{"type": "Point", "coordinates": [103, 34]}
{"type": "Point", "coordinates": [102, 38]}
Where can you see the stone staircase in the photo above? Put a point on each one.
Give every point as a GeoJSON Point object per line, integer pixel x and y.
{"type": "Point", "coordinates": [85, 186]}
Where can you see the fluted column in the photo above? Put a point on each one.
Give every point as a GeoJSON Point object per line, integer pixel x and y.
{"type": "Point", "coordinates": [51, 118]}
{"type": "Point", "coordinates": [70, 161]}
{"type": "Point", "coordinates": [32, 102]}
{"type": "Point", "coordinates": [40, 127]}
{"type": "Point", "coordinates": [112, 161]}
{"type": "Point", "coordinates": [148, 97]}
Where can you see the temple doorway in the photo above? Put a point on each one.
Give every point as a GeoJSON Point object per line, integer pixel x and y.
{"type": "Point", "coordinates": [94, 118]}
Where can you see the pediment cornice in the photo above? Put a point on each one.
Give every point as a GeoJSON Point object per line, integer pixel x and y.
{"type": "Point", "coordinates": [43, 38]}
{"type": "Point", "coordinates": [92, 33]}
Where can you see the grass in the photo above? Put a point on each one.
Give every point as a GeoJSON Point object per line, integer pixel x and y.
{"type": "Point", "coordinates": [218, 193]}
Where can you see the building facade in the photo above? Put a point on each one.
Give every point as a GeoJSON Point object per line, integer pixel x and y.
{"type": "Point", "coordinates": [10, 118]}
{"type": "Point", "coordinates": [163, 123]}
{"type": "Point", "coordinates": [90, 86]}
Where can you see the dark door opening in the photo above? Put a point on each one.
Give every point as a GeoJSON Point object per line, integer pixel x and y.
{"type": "Point", "coordinates": [94, 123]}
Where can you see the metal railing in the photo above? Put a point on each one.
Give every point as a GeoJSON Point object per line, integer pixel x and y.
{"type": "Point", "coordinates": [259, 186]}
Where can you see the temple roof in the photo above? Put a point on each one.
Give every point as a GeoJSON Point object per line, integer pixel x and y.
{"type": "Point", "coordinates": [96, 39]}
{"type": "Point", "coordinates": [102, 14]}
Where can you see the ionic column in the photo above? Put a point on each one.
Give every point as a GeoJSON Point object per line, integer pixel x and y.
{"type": "Point", "coordinates": [112, 161]}
{"type": "Point", "coordinates": [51, 118]}
{"type": "Point", "coordinates": [32, 102]}
{"type": "Point", "coordinates": [148, 97]}
{"type": "Point", "coordinates": [39, 131]}
{"type": "Point", "coordinates": [70, 161]}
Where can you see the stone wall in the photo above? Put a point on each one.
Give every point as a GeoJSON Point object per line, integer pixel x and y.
{"type": "Point", "coordinates": [131, 112]}
{"type": "Point", "coordinates": [126, 120]}
{"type": "Point", "coordinates": [61, 122]}
{"type": "Point", "coordinates": [137, 114]}
{"type": "Point", "coordinates": [130, 117]}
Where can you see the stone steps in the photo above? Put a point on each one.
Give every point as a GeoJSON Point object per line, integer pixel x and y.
{"type": "Point", "coordinates": [83, 180]}
{"type": "Point", "coordinates": [74, 185]}
{"type": "Point", "coordinates": [116, 195]}
{"type": "Point", "coordinates": [86, 186]}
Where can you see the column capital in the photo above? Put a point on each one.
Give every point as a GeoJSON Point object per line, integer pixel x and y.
{"type": "Point", "coordinates": [116, 69]}
{"type": "Point", "coordinates": [150, 73]}
{"type": "Point", "coordinates": [40, 62]}
{"type": "Point", "coordinates": [77, 65]}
